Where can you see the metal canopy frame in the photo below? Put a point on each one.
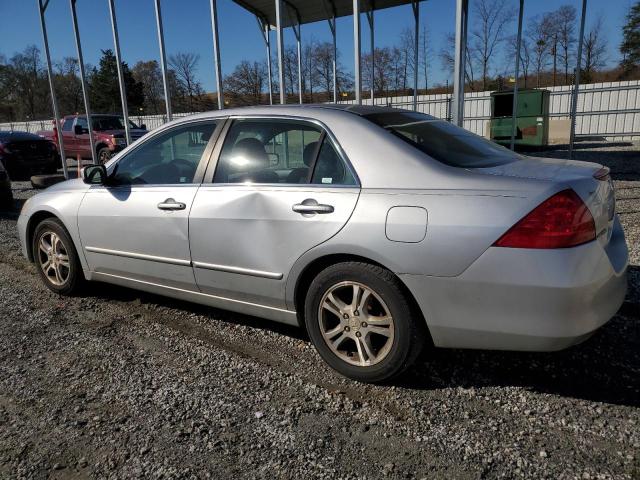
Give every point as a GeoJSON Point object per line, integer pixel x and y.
{"type": "Point", "coordinates": [42, 7]}
{"type": "Point", "coordinates": [123, 91]}
{"type": "Point", "coordinates": [83, 80]}
{"type": "Point", "coordinates": [271, 14]}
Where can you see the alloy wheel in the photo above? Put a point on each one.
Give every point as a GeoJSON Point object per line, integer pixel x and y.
{"type": "Point", "coordinates": [53, 257]}
{"type": "Point", "coordinates": [356, 324]}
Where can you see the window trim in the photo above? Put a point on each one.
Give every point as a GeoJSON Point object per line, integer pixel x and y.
{"type": "Point", "coordinates": [324, 130]}
{"type": "Point", "coordinates": [219, 122]}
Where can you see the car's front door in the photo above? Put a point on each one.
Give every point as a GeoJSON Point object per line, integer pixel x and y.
{"type": "Point", "coordinates": [137, 226]}
{"type": "Point", "coordinates": [280, 188]}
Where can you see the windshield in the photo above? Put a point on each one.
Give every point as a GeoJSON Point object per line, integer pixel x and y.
{"type": "Point", "coordinates": [110, 123]}
{"type": "Point", "coordinates": [451, 145]}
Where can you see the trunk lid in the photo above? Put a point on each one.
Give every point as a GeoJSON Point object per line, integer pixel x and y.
{"type": "Point", "coordinates": [597, 193]}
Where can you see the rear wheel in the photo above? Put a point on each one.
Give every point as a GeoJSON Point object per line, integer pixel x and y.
{"type": "Point", "coordinates": [56, 258]}
{"type": "Point", "coordinates": [362, 323]}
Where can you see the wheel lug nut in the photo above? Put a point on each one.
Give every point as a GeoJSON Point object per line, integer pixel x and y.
{"type": "Point", "coordinates": [358, 334]}
{"type": "Point", "coordinates": [364, 324]}
{"type": "Point", "coordinates": [346, 329]}
{"type": "Point", "coordinates": [356, 313]}
{"type": "Point", "coordinates": [345, 316]}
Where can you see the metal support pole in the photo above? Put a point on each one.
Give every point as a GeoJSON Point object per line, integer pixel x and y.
{"type": "Point", "coordinates": [83, 80]}
{"type": "Point", "coordinates": [373, 50]}
{"type": "Point", "coordinates": [357, 50]}
{"type": "Point", "coordinates": [462, 10]}
{"type": "Point", "coordinates": [576, 88]}
{"type": "Point", "coordinates": [54, 101]}
{"type": "Point", "coordinates": [264, 28]}
{"type": "Point", "coordinates": [123, 91]}
{"type": "Point", "coordinates": [330, 10]}
{"type": "Point", "coordinates": [296, 31]}
{"type": "Point", "coordinates": [335, 60]}
{"type": "Point", "coordinates": [216, 53]}
{"type": "Point", "coordinates": [416, 51]}
{"type": "Point", "coordinates": [280, 41]}
{"type": "Point", "coordinates": [163, 61]}
{"type": "Point", "coordinates": [517, 74]}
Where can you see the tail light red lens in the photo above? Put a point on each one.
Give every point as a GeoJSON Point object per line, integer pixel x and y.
{"type": "Point", "coordinates": [561, 221]}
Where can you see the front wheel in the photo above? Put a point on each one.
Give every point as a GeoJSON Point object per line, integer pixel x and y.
{"type": "Point", "coordinates": [56, 258]}
{"type": "Point", "coordinates": [104, 154]}
{"type": "Point", "coordinates": [362, 323]}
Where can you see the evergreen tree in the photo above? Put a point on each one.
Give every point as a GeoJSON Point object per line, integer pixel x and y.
{"type": "Point", "coordinates": [630, 47]}
{"type": "Point", "coordinates": [104, 88]}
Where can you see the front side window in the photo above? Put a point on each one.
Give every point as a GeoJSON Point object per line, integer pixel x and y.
{"type": "Point", "coordinates": [279, 151]}
{"type": "Point", "coordinates": [168, 158]}
{"type": "Point", "coordinates": [82, 122]}
{"type": "Point", "coordinates": [67, 126]}
{"type": "Point", "coordinates": [442, 141]}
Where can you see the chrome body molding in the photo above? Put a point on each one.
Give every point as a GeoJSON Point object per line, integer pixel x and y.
{"type": "Point", "coordinates": [139, 256]}
{"type": "Point", "coordinates": [248, 308]}
{"type": "Point", "coordinates": [239, 270]}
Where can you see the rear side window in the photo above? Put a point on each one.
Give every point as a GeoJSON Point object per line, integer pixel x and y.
{"type": "Point", "coordinates": [442, 141]}
{"type": "Point", "coordinates": [67, 125]}
{"type": "Point", "coordinates": [279, 151]}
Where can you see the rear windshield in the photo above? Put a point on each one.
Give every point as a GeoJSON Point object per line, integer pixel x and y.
{"type": "Point", "coordinates": [451, 145]}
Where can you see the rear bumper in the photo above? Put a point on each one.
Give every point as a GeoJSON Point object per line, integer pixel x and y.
{"type": "Point", "coordinates": [518, 299]}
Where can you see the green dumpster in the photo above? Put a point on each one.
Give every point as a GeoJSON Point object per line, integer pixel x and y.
{"type": "Point", "coordinates": [532, 117]}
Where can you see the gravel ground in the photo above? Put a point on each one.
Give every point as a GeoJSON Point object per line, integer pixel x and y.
{"type": "Point", "coordinates": [120, 384]}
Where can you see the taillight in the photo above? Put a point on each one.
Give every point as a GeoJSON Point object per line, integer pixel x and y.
{"type": "Point", "coordinates": [561, 221]}
{"type": "Point", "coordinates": [3, 148]}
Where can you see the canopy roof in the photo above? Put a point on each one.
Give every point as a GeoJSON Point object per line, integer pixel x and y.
{"type": "Point", "coordinates": [309, 11]}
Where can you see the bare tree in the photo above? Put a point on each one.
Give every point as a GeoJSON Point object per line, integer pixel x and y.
{"type": "Point", "coordinates": [245, 85]}
{"type": "Point", "coordinates": [290, 67]}
{"type": "Point", "coordinates": [407, 50]}
{"type": "Point", "coordinates": [68, 85]}
{"type": "Point", "coordinates": [323, 65]}
{"type": "Point", "coordinates": [492, 19]}
{"type": "Point", "coordinates": [149, 74]}
{"type": "Point", "coordinates": [551, 29]}
{"type": "Point", "coordinates": [383, 74]}
{"type": "Point", "coordinates": [538, 37]}
{"type": "Point", "coordinates": [448, 60]}
{"type": "Point", "coordinates": [566, 24]}
{"type": "Point", "coordinates": [594, 50]}
{"type": "Point", "coordinates": [525, 55]}
{"type": "Point", "coordinates": [426, 55]}
{"type": "Point", "coordinates": [185, 66]}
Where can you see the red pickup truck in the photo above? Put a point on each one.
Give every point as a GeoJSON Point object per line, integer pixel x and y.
{"type": "Point", "coordinates": [108, 134]}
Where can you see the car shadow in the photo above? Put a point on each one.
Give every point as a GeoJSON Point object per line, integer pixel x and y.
{"type": "Point", "coordinates": [605, 368]}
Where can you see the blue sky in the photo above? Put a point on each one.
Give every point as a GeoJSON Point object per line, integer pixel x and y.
{"type": "Point", "coordinates": [188, 28]}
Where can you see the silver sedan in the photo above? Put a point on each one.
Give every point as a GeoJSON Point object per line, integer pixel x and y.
{"type": "Point", "coordinates": [378, 230]}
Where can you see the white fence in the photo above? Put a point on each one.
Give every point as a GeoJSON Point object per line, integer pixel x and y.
{"type": "Point", "coordinates": [610, 110]}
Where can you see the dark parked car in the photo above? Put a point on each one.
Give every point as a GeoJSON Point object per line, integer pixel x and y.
{"type": "Point", "coordinates": [24, 154]}
{"type": "Point", "coordinates": [6, 197]}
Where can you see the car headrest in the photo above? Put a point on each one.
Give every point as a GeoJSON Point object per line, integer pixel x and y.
{"type": "Point", "coordinates": [309, 152]}
{"type": "Point", "coordinates": [250, 152]}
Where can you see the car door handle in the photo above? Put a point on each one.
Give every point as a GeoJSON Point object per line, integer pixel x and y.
{"type": "Point", "coordinates": [311, 206]}
{"type": "Point", "coordinates": [171, 204]}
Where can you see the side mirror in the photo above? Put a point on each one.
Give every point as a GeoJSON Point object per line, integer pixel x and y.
{"type": "Point", "coordinates": [143, 127]}
{"type": "Point", "coordinates": [94, 175]}
{"type": "Point", "coordinates": [79, 130]}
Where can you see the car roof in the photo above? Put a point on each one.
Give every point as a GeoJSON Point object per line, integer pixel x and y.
{"type": "Point", "coordinates": [15, 135]}
{"type": "Point", "coordinates": [303, 110]}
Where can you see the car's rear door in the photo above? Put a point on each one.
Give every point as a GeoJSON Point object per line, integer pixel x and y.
{"type": "Point", "coordinates": [250, 222]}
{"type": "Point", "coordinates": [137, 227]}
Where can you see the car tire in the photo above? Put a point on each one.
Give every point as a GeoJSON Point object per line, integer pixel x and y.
{"type": "Point", "coordinates": [376, 343]}
{"type": "Point", "coordinates": [104, 154]}
{"type": "Point", "coordinates": [63, 274]}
